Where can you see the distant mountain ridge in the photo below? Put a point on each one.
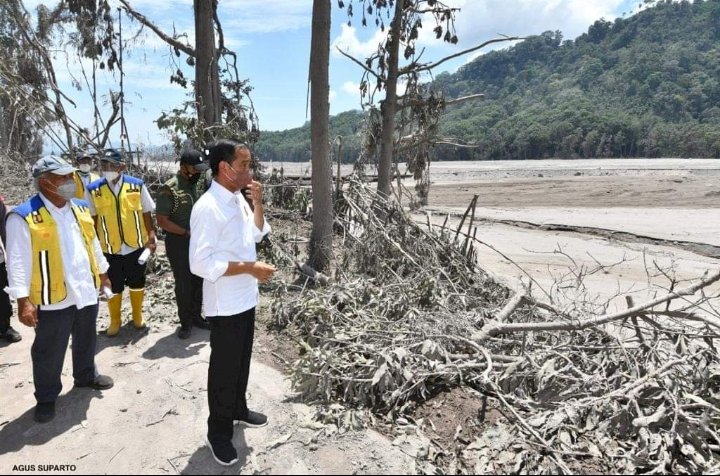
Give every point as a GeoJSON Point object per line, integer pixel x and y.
{"type": "Point", "coordinates": [643, 86]}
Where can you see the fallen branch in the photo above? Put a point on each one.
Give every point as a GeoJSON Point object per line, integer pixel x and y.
{"type": "Point", "coordinates": [643, 422]}
{"type": "Point", "coordinates": [396, 326]}
{"type": "Point", "coordinates": [308, 271]}
{"type": "Point", "coordinates": [510, 307]}
{"type": "Point", "coordinates": [172, 411]}
{"type": "Point", "coordinates": [496, 329]}
{"type": "Point", "coordinates": [641, 382]}
{"type": "Point", "coordinates": [529, 429]}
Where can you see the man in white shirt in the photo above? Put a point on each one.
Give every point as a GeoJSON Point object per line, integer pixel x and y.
{"type": "Point", "coordinates": [6, 311]}
{"type": "Point", "coordinates": [122, 209]}
{"type": "Point", "coordinates": [55, 269]}
{"type": "Point", "coordinates": [222, 251]}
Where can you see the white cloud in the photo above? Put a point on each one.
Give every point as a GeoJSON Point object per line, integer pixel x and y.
{"type": "Point", "coordinates": [477, 22]}
{"type": "Point", "coordinates": [333, 95]}
{"type": "Point", "coordinates": [349, 42]}
{"type": "Point", "coordinates": [351, 87]}
{"type": "Point", "coordinates": [481, 21]}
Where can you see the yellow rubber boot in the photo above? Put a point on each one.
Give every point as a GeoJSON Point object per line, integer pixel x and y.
{"type": "Point", "coordinates": [136, 300]}
{"type": "Point", "coordinates": [114, 305]}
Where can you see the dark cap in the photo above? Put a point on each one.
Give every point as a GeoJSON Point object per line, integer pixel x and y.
{"type": "Point", "coordinates": [112, 155]}
{"type": "Point", "coordinates": [194, 158]}
{"type": "Point", "coordinates": [84, 154]}
{"type": "Point", "coordinates": [54, 164]}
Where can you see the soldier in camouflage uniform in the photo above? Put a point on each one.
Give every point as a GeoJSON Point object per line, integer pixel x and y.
{"type": "Point", "coordinates": [174, 203]}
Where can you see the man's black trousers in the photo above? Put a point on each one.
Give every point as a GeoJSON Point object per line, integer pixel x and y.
{"type": "Point", "coordinates": [231, 341]}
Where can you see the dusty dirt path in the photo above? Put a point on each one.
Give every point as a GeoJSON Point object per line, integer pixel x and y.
{"type": "Point", "coordinates": [153, 420]}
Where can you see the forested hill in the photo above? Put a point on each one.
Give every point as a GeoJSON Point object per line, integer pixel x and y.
{"type": "Point", "coordinates": [644, 86]}
{"type": "Point", "coordinates": [293, 145]}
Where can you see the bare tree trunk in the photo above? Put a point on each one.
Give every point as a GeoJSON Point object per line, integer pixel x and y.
{"type": "Point", "coordinates": [207, 80]}
{"type": "Point", "coordinates": [389, 105]}
{"type": "Point", "coordinates": [321, 236]}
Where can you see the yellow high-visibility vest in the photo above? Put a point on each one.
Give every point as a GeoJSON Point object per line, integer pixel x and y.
{"type": "Point", "coordinates": [47, 283]}
{"type": "Point", "coordinates": [80, 186]}
{"type": "Point", "coordinates": [119, 219]}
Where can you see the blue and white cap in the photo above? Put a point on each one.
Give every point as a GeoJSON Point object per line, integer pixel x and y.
{"type": "Point", "coordinates": [54, 164]}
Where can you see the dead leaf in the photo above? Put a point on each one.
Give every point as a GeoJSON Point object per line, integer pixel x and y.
{"type": "Point", "coordinates": [379, 374]}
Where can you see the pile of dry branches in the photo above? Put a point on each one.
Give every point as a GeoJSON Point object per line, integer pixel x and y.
{"type": "Point", "coordinates": [409, 314]}
{"type": "Point", "coordinates": [15, 178]}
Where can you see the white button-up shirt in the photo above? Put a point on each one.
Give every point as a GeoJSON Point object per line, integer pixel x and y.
{"type": "Point", "coordinates": [79, 282]}
{"type": "Point", "coordinates": [148, 206]}
{"type": "Point", "coordinates": [2, 245]}
{"type": "Point", "coordinates": [223, 231]}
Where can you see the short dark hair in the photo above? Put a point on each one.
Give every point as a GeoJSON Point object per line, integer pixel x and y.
{"type": "Point", "coordinates": [222, 150]}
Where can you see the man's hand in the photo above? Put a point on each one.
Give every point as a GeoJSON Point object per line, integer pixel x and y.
{"type": "Point", "coordinates": [27, 312]}
{"type": "Point", "coordinates": [262, 271]}
{"type": "Point", "coordinates": [255, 193]}
{"type": "Point", "coordinates": [151, 242]}
{"type": "Point", "coordinates": [105, 282]}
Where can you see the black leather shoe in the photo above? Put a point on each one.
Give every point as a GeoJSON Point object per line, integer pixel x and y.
{"type": "Point", "coordinates": [223, 452]}
{"type": "Point", "coordinates": [44, 412]}
{"type": "Point", "coordinates": [252, 420]}
{"type": "Point", "coordinates": [11, 335]}
{"type": "Point", "coordinates": [101, 382]}
{"type": "Point", "coordinates": [184, 333]}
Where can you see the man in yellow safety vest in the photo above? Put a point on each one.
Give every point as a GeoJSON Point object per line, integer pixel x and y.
{"type": "Point", "coordinates": [55, 269]}
{"type": "Point", "coordinates": [122, 209]}
{"type": "Point", "coordinates": [83, 176]}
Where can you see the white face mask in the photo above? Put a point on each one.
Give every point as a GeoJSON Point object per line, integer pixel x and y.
{"type": "Point", "coordinates": [111, 176]}
{"type": "Point", "coordinates": [67, 190]}
{"type": "Point", "coordinates": [85, 168]}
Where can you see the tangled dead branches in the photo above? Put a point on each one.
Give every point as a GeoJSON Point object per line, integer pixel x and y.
{"type": "Point", "coordinates": [410, 315]}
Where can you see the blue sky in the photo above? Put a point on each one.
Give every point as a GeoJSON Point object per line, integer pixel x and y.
{"type": "Point", "coordinates": [272, 40]}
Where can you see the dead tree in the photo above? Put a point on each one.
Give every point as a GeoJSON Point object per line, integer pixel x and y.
{"type": "Point", "coordinates": [217, 100]}
{"type": "Point", "coordinates": [28, 72]}
{"type": "Point", "coordinates": [418, 108]}
{"type": "Point", "coordinates": [321, 238]}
